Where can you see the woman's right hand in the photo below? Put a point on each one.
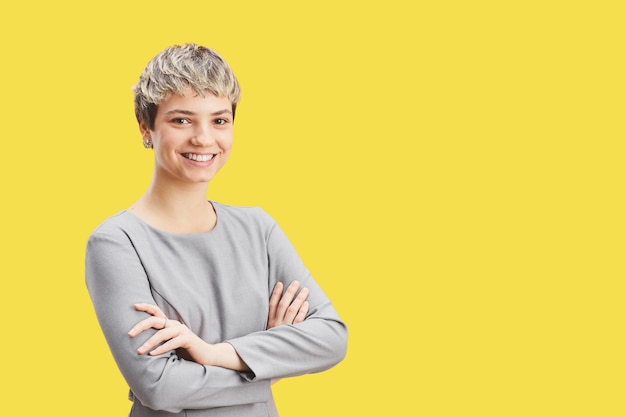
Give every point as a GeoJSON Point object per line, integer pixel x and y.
{"type": "Point", "coordinates": [174, 335]}
{"type": "Point", "coordinates": [287, 308]}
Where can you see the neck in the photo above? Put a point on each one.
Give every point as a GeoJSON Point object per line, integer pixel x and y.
{"type": "Point", "coordinates": [177, 207]}
{"type": "Point", "coordinates": [176, 198]}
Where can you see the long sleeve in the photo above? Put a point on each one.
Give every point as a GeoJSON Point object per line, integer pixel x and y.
{"type": "Point", "coordinates": [314, 345]}
{"type": "Point", "coordinates": [116, 280]}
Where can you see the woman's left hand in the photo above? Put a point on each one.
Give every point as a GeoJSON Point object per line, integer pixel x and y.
{"type": "Point", "coordinates": [287, 308]}
{"type": "Point", "coordinates": [171, 334]}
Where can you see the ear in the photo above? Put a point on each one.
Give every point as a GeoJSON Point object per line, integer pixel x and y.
{"type": "Point", "coordinates": [145, 131]}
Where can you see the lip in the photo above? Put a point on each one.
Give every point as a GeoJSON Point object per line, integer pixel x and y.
{"type": "Point", "coordinates": [199, 156]}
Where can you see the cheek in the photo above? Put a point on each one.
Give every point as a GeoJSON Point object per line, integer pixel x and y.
{"type": "Point", "coordinates": [226, 143]}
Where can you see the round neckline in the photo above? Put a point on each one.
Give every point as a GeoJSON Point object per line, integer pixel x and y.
{"type": "Point", "coordinates": [165, 232]}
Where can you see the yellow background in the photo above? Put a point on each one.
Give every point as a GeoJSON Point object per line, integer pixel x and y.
{"type": "Point", "coordinates": [452, 172]}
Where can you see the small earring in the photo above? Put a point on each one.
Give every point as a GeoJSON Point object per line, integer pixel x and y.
{"type": "Point", "coordinates": [147, 144]}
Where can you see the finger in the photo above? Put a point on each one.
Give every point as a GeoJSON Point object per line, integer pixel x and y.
{"type": "Point", "coordinates": [274, 299]}
{"type": "Point", "coordinates": [151, 322]}
{"type": "Point", "coordinates": [294, 307]}
{"type": "Point", "coordinates": [287, 298]}
{"type": "Point", "coordinates": [304, 310]}
{"type": "Point", "coordinates": [150, 309]}
{"type": "Point", "coordinates": [169, 345]}
{"type": "Point", "coordinates": [158, 338]}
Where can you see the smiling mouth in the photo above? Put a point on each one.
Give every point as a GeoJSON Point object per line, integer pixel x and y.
{"type": "Point", "coordinates": [198, 157]}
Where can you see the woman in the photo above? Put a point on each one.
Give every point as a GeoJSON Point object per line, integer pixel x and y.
{"type": "Point", "coordinates": [203, 305]}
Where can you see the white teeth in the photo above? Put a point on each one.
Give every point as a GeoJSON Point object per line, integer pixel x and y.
{"type": "Point", "coordinates": [199, 158]}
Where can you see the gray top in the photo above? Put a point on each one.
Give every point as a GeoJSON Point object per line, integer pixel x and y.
{"type": "Point", "coordinates": [218, 284]}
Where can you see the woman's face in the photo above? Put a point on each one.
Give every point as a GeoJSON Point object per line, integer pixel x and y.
{"type": "Point", "coordinates": [192, 136]}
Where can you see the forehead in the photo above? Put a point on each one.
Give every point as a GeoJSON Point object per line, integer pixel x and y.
{"type": "Point", "coordinates": [191, 101]}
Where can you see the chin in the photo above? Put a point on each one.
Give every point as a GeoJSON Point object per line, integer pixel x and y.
{"type": "Point", "coordinates": [205, 179]}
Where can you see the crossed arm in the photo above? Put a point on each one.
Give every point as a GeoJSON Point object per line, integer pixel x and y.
{"type": "Point", "coordinates": [288, 308]}
{"type": "Point", "coordinates": [115, 277]}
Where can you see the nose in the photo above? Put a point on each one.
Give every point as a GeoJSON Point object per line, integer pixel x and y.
{"type": "Point", "coordinates": [202, 136]}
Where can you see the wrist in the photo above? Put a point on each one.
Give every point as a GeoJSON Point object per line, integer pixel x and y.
{"type": "Point", "coordinates": [225, 355]}
{"type": "Point", "coordinates": [201, 352]}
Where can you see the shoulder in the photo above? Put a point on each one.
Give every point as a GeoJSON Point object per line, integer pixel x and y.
{"type": "Point", "coordinates": [246, 214]}
{"type": "Point", "coordinates": [249, 218]}
{"type": "Point", "coordinates": [119, 227]}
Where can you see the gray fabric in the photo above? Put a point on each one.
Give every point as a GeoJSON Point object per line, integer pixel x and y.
{"type": "Point", "coordinates": [218, 284]}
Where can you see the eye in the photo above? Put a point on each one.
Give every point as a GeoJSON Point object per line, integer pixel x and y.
{"type": "Point", "coordinates": [221, 121]}
{"type": "Point", "coordinates": [180, 121]}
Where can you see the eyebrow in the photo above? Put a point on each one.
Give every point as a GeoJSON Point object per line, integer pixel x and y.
{"type": "Point", "coordinates": [190, 113]}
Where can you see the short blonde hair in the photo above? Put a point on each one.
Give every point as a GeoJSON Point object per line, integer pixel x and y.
{"type": "Point", "coordinates": [177, 69]}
